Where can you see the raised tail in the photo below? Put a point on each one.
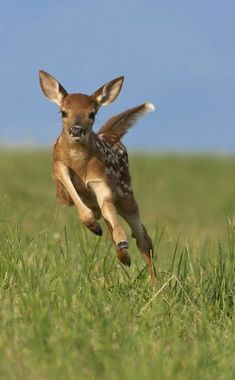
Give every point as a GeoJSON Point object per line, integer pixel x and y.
{"type": "Point", "coordinates": [118, 125]}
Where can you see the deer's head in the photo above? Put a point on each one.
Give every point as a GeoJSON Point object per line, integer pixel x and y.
{"type": "Point", "coordinates": [78, 111]}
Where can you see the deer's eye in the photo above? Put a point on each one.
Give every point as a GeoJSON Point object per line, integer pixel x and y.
{"type": "Point", "coordinates": [64, 114]}
{"type": "Point", "coordinates": [91, 115]}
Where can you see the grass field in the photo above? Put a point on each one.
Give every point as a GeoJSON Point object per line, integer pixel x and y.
{"type": "Point", "coordinates": [69, 310]}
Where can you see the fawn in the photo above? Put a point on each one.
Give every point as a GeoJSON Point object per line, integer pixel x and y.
{"type": "Point", "coordinates": [91, 170]}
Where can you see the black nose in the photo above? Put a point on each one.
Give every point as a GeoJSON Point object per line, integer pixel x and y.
{"type": "Point", "coordinates": [77, 131]}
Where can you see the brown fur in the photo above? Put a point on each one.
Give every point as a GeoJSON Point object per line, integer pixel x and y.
{"type": "Point", "coordinates": [118, 125]}
{"type": "Point", "coordinates": [91, 170]}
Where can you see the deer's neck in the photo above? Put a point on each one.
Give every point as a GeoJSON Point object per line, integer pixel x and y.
{"type": "Point", "coordinates": [75, 154]}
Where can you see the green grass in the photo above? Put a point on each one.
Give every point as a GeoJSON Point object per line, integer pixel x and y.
{"type": "Point", "coordinates": [69, 310]}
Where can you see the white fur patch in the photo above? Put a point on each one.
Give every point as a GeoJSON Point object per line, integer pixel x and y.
{"type": "Point", "coordinates": [149, 107]}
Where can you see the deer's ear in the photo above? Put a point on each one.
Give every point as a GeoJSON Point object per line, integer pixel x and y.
{"type": "Point", "coordinates": [51, 88]}
{"type": "Point", "coordinates": [109, 92]}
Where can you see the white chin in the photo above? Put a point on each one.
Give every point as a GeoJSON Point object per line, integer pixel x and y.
{"type": "Point", "coordinates": [75, 139]}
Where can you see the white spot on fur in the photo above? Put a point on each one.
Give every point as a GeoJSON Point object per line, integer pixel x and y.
{"type": "Point", "coordinates": [120, 191]}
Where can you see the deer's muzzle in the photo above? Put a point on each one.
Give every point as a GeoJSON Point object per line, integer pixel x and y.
{"type": "Point", "coordinates": [77, 131]}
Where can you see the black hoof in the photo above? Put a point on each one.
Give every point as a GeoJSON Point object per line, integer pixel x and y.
{"type": "Point", "coordinates": [126, 260]}
{"type": "Point", "coordinates": [122, 244]}
{"type": "Point", "coordinates": [98, 231]}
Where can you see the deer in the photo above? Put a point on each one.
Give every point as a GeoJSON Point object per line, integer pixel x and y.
{"type": "Point", "coordinates": [91, 170]}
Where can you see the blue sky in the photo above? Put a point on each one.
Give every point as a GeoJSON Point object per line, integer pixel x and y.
{"type": "Point", "coordinates": [180, 55]}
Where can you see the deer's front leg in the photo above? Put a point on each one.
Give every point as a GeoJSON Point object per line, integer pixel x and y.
{"type": "Point", "coordinates": [61, 173]}
{"type": "Point", "coordinates": [109, 213]}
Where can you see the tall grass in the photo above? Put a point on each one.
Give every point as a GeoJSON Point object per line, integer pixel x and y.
{"type": "Point", "coordinates": [69, 310]}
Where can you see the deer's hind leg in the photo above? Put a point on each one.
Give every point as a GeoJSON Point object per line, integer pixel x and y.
{"type": "Point", "coordinates": [129, 210]}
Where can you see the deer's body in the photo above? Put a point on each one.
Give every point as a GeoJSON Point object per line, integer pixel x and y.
{"type": "Point", "coordinates": [91, 170]}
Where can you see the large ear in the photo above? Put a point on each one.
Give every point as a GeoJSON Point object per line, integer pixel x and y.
{"type": "Point", "coordinates": [51, 88]}
{"type": "Point", "coordinates": [109, 92]}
